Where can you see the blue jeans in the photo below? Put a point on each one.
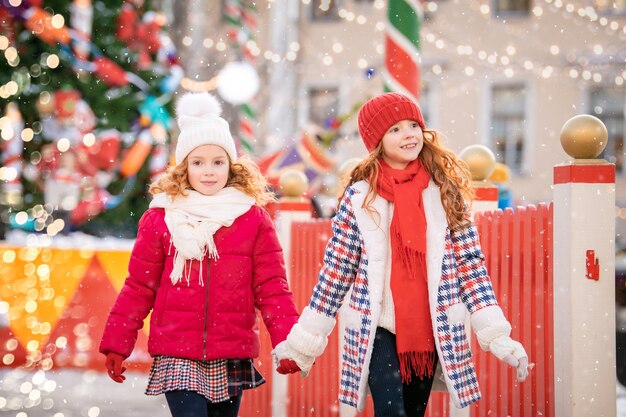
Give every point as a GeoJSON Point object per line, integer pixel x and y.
{"type": "Point", "coordinates": [391, 397]}
{"type": "Point", "coordinates": [192, 404]}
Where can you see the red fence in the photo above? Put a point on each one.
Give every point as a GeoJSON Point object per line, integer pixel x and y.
{"type": "Point", "coordinates": [317, 395]}
{"type": "Point", "coordinates": [518, 250]}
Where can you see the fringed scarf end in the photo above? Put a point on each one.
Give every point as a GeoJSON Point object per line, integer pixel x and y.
{"type": "Point", "coordinates": [420, 364]}
{"type": "Point", "coordinates": [414, 261]}
{"type": "Point", "coordinates": [210, 248]}
{"type": "Point", "coordinates": [180, 269]}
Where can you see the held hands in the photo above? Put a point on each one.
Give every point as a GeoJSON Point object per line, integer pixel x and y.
{"type": "Point", "coordinates": [512, 353]}
{"type": "Point", "coordinates": [288, 361]}
{"type": "Point", "coordinates": [114, 366]}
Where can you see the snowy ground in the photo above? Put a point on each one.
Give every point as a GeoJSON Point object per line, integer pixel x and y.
{"type": "Point", "coordinates": [71, 393]}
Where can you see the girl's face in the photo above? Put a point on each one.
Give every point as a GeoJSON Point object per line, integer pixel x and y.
{"type": "Point", "coordinates": [208, 167]}
{"type": "Point", "coordinates": [402, 143]}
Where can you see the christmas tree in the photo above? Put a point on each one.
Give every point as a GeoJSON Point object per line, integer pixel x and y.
{"type": "Point", "coordinates": [85, 104]}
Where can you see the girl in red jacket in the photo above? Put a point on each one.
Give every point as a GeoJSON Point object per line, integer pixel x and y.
{"type": "Point", "coordinates": [206, 256]}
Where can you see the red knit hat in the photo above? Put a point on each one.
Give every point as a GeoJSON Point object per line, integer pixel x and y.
{"type": "Point", "coordinates": [384, 111]}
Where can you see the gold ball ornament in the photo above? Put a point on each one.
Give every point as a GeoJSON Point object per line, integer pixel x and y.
{"type": "Point", "coordinates": [293, 183]}
{"type": "Point", "coordinates": [480, 161]}
{"type": "Point", "coordinates": [584, 137]}
{"type": "Point", "coordinates": [346, 168]}
{"type": "Point", "coordinates": [501, 173]}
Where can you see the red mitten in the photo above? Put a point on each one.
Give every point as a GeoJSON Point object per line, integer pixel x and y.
{"type": "Point", "coordinates": [287, 366]}
{"type": "Point", "coordinates": [113, 364]}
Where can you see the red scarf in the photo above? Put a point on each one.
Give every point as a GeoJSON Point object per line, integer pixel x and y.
{"type": "Point", "coordinates": [409, 280]}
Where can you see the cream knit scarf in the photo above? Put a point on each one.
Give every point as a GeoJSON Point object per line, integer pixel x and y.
{"type": "Point", "coordinates": [193, 220]}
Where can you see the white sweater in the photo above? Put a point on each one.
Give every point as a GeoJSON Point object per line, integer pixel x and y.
{"type": "Point", "coordinates": [387, 314]}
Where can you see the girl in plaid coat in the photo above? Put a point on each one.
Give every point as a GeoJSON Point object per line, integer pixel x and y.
{"type": "Point", "coordinates": [205, 258]}
{"type": "Point", "coordinates": [405, 255]}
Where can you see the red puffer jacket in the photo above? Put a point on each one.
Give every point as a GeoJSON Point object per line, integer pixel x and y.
{"type": "Point", "coordinates": [216, 320]}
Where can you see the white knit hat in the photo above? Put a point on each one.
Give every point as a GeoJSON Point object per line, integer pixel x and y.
{"type": "Point", "coordinates": [198, 117]}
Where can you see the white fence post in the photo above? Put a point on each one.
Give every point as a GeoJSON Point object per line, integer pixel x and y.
{"type": "Point", "coordinates": [584, 274]}
{"type": "Point", "coordinates": [293, 207]}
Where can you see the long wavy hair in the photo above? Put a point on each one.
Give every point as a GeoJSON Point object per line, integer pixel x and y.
{"type": "Point", "coordinates": [244, 175]}
{"type": "Point", "coordinates": [446, 170]}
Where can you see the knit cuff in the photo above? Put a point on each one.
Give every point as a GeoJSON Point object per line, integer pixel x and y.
{"type": "Point", "coordinates": [284, 351]}
{"type": "Point", "coordinates": [503, 346]}
{"type": "Point", "coordinates": [310, 335]}
{"type": "Point", "coordinates": [489, 323]}
{"type": "Point", "coordinates": [316, 323]}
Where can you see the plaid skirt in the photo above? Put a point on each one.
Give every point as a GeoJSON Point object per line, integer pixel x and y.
{"type": "Point", "coordinates": [216, 380]}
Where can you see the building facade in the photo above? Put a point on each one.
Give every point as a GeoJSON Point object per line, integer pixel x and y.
{"type": "Point", "coordinates": [503, 73]}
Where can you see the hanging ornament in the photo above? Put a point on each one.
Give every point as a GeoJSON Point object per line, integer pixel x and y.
{"type": "Point", "coordinates": [126, 23]}
{"type": "Point", "coordinates": [152, 111]}
{"type": "Point", "coordinates": [102, 155]}
{"type": "Point", "coordinates": [84, 118]}
{"type": "Point", "coordinates": [158, 161]}
{"type": "Point", "coordinates": [92, 203]}
{"type": "Point", "coordinates": [137, 154]}
{"type": "Point", "coordinates": [238, 82]}
{"type": "Point", "coordinates": [172, 81]}
{"type": "Point", "coordinates": [65, 102]}
{"type": "Point", "coordinates": [81, 19]}
{"type": "Point", "coordinates": [7, 26]}
{"type": "Point", "coordinates": [108, 71]}
{"type": "Point", "coordinates": [40, 23]}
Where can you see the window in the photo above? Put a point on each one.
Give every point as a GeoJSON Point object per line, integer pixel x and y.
{"type": "Point", "coordinates": [607, 104]}
{"type": "Point", "coordinates": [511, 7]}
{"type": "Point", "coordinates": [323, 105]}
{"type": "Point", "coordinates": [325, 10]}
{"type": "Point", "coordinates": [508, 125]}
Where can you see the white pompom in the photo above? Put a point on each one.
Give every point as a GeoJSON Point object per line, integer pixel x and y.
{"type": "Point", "coordinates": [198, 105]}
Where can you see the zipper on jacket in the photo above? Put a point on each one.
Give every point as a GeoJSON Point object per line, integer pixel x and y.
{"type": "Point", "coordinates": [206, 315]}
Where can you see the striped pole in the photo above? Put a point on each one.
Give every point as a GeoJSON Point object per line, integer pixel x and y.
{"type": "Point", "coordinates": [11, 154]}
{"type": "Point", "coordinates": [241, 16]}
{"type": "Point", "coordinates": [247, 111]}
{"type": "Point", "coordinates": [247, 122]}
{"type": "Point", "coordinates": [232, 13]}
{"type": "Point", "coordinates": [402, 47]}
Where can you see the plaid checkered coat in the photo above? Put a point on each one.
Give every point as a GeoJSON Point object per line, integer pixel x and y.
{"type": "Point", "coordinates": [355, 264]}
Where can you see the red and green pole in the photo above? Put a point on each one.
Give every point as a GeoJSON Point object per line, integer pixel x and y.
{"type": "Point", "coordinates": [402, 73]}
{"type": "Point", "coordinates": [241, 16]}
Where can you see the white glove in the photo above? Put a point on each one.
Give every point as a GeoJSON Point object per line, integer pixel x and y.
{"type": "Point", "coordinates": [512, 353]}
{"type": "Point", "coordinates": [284, 351]}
